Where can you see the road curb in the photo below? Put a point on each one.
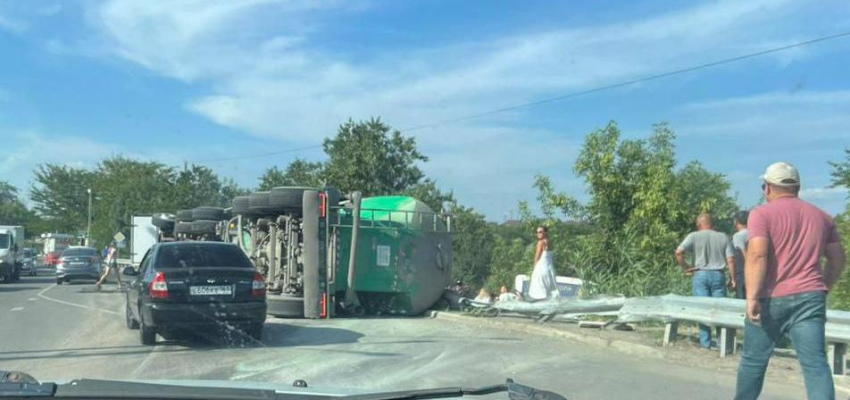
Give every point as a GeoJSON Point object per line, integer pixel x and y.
{"type": "Point", "coordinates": [842, 383]}
{"type": "Point", "coordinates": [542, 330]}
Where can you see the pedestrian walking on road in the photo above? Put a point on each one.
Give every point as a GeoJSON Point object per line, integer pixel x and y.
{"type": "Point", "coordinates": [543, 284]}
{"type": "Point", "coordinates": [111, 265]}
{"type": "Point", "coordinates": [786, 285]}
{"type": "Point", "coordinates": [712, 252]}
{"type": "Point", "coordinates": [739, 246]}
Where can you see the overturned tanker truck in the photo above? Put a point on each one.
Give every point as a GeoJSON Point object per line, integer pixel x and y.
{"type": "Point", "coordinates": [325, 254]}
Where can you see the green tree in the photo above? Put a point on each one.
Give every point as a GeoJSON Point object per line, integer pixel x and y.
{"type": "Point", "coordinates": [272, 177]}
{"type": "Point", "coordinates": [699, 190]}
{"type": "Point", "coordinates": [231, 189]}
{"type": "Point", "coordinates": [841, 171]}
{"type": "Point", "coordinates": [126, 187]}
{"type": "Point", "coordinates": [298, 173]}
{"type": "Point", "coordinates": [509, 259]}
{"type": "Point", "coordinates": [472, 246]}
{"type": "Point", "coordinates": [196, 186]}
{"type": "Point", "coordinates": [59, 195]}
{"type": "Point", "coordinates": [372, 158]}
{"type": "Point", "coordinates": [640, 207]}
{"type": "Point", "coordinates": [428, 193]}
{"type": "Point", "coordinates": [839, 297]}
{"type": "Point", "coordinates": [12, 209]}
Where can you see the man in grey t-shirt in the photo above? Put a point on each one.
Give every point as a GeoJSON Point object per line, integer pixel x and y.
{"type": "Point", "coordinates": [712, 253]}
{"type": "Point", "coordinates": [739, 245]}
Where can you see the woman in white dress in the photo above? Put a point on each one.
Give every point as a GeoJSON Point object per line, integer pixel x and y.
{"type": "Point", "coordinates": [543, 285]}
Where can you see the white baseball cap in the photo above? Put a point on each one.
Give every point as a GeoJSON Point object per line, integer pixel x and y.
{"type": "Point", "coordinates": [782, 174]}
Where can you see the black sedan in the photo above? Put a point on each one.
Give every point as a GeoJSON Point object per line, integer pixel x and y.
{"type": "Point", "coordinates": [78, 263]}
{"type": "Point", "coordinates": [192, 286]}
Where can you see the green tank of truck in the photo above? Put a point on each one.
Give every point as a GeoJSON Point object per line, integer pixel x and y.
{"type": "Point", "coordinates": [324, 254]}
{"type": "Point", "coordinates": [403, 258]}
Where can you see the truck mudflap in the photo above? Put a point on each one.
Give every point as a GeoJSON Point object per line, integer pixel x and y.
{"type": "Point", "coordinates": [284, 306]}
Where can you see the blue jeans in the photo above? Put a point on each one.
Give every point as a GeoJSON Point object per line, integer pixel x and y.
{"type": "Point", "coordinates": [708, 284]}
{"type": "Point", "coordinates": [801, 316]}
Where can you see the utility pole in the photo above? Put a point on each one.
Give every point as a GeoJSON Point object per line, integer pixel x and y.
{"type": "Point", "coordinates": [88, 228]}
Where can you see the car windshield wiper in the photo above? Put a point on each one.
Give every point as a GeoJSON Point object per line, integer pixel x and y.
{"type": "Point", "coordinates": [515, 391]}
{"type": "Point", "coordinates": [17, 384]}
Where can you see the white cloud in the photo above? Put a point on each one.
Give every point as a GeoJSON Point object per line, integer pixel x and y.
{"type": "Point", "coordinates": [12, 24]}
{"type": "Point", "coordinates": [793, 117]}
{"type": "Point", "coordinates": [28, 149]}
{"type": "Point", "coordinates": [827, 193]}
{"type": "Point", "coordinates": [267, 78]}
{"type": "Point", "coordinates": [274, 84]}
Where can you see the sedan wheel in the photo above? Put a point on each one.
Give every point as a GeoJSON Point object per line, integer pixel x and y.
{"type": "Point", "coordinates": [256, 332]}
{"type": "Point", "coordinates": [147, 335]}
{"type": "Point", "coordinates": [128, 318]}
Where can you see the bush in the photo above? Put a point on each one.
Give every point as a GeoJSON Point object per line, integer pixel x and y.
{"type": "Point", "coordinates": [625, 268]}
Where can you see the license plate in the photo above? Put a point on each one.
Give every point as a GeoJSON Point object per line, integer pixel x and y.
{"type": "Point", "coordinates": [210, 290]}
{"type": "Point", "coordinates": [77, 264]}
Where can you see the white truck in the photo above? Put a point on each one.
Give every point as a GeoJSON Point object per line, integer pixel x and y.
{"type": "Point", "coordinates": [11, 242]}
{"type": "Point", "coordinates": [143, 236]}
{"type": "Point", "coordinates": [56, 242]}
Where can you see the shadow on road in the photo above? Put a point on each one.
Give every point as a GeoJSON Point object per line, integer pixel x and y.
{"type": "Point", "coordinates": [275, 335]}
{"type": "Point", "coordinates": [9, 288]}
{"type": "Point", "coordinates": [37, 279]}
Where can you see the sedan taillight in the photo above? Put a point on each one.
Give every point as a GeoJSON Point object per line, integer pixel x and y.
{"type": "Point", "coordinates": [159, 288]}
{"type": "Point", "coordinates": [258, 286]}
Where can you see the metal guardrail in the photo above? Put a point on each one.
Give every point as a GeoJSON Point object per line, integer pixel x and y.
{"type": "Point", "coordinates": [725, 314]}
{"type": "Point", "coordinates": [715, 312]}
{"type": "Point", "coordinates": [728, 315]}
{"type": "Point", "coordinates": [546, 310]}
{"type": "Point", "coordinates": [379, 218]}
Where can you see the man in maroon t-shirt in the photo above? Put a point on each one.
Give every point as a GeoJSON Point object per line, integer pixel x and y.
{"type": "Point", "coordinates": [786, 286]}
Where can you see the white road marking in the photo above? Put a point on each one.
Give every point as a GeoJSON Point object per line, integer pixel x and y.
{"type": "Point", "coordinates": [32, 299]}
{"type": "Point", "coordinates": [68, 303]}
{"type": "Point", "coordinates": [17, 309]}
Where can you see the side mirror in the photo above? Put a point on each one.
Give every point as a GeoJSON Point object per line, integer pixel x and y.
{"type": "Point", "coordinates": [15, 247]}
{"type": "Point", "coordinates": [130, 271]}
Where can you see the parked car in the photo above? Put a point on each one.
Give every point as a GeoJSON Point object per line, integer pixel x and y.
{"type": "Point", "coordinates": [195, 285]}
{"type": "Point", "coordinates": [51, 259]}
{"type": "Point", "coordinates": [78, 263]}
{"type": "Point", "coordinates": [28, 262]}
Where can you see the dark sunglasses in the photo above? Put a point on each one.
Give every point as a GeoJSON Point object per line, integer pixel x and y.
{"type": "Point", "coordinates": [763, 186]}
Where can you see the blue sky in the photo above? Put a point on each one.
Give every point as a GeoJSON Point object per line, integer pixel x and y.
{"type": "Point", "coordinates": [178, 81]}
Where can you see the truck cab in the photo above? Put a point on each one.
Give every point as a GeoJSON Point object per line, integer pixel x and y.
{"type": "Point", "coordinates": [10, 263]}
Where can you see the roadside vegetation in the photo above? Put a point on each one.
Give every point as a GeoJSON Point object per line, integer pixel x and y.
{"type": "Point", "coordinates": [621, 240]}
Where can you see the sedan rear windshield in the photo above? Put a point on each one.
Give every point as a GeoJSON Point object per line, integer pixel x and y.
{"type": "Point", "coordinates": [187, 255]}
{"type": "Point", "coordinates": [79, 253]}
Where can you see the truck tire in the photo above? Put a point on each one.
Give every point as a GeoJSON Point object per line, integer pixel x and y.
{"type": "Point", "coordinates": [208, 213]}
{"type": "Point", "coordinates": [285, 198]}
{"type": "Point", "coordinates": [203, 227]}
{"type": "Point", "coordinates": [241, 205]}
{"type": "Point", "coordinates": [259, 204]}
{"type": "Point", "coordinates": [163, 221]}
{"type": "Point", "coordinates": [285, 306]}
{"type": "Point", "coordinates": [182, 227]}
{"type": "Point", "coordinates": [184, 216]}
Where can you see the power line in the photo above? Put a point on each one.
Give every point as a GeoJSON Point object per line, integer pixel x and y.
{"type": "Point", "coordinates": [569, 95]}
{"type": "Point", "coordinates": [630, 82]}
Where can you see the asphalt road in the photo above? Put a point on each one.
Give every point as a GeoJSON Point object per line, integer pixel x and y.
{"type": "Point", "coordinates": [70, 331]}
